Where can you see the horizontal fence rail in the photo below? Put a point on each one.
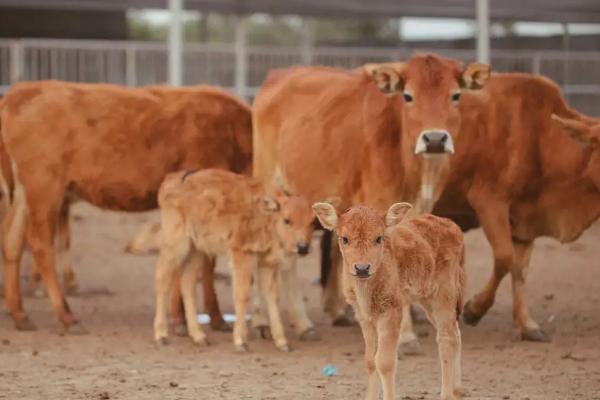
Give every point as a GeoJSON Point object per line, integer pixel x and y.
{"type": "Point", "coordinates": [135, 63]}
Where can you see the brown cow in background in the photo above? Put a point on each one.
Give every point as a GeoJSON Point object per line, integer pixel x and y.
{"type": "Point", "coordinates": [107, 145]}
{"type": "Point", "coordinates": [519, 176]}
{"type": "Point", "coordinates": [333, 133]}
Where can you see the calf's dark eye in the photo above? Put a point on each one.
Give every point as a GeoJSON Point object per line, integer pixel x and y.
{"type": "Point", "coordinates": [379, 240]}
{"type": "Point", "coordinates": [408, 97]}
{"type": "Point", "coordinates": [345, 240]}
{"type": "Point", "coordinates": [456, 96]}
{"type": "Point", "coordinates": [287, 221]}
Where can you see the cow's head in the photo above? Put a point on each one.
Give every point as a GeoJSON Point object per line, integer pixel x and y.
{"type": "Point", "coordinates": [361, 232]}
{"type": "Point", "coordinates": [293, 222]}
{"type": "Point", "coordinates": [430, 89]}
{"type": "Point", "coordinates": [588, 134]}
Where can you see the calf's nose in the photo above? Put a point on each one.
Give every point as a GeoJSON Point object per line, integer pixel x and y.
{"type": "Point", "coordinates": [434, 142]}
{"type": "Point", "coordinates": [303, 248]}
{"type": "Point", "coordinates": [362, 270]}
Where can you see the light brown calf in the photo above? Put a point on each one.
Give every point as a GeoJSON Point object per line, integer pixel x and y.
{"type": "Point", "coordinates": [388, 263]}
{"type": "Point", "coordinates": [213, 212]}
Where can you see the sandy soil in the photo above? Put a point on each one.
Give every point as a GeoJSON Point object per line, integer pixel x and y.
{"type": "Point", "coordinates": [119, 359]}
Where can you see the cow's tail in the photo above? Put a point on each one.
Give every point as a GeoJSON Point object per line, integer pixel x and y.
{"type": "Point", "coordinates": [7, 181]}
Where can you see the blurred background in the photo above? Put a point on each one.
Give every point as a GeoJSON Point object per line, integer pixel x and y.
{"type": "Point", "coordinates": [234, 43]}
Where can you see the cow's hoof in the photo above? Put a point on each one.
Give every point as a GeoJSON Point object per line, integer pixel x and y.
{"type": "Point", "coordinates": [241, 348]}
{"type": "Point", "coordinates": [411, 348]}
{"type": "Point", "coordinates": [310, 335]}
{"type": "Point", "coordinates": [263, 331]}
{"type": "Point", "coordinates": [180, 329]}
{"type": "Point", "coordinates": [163, 341]}
{"type": "Point", "coordinates": [343, 320]}
{"type": "Point", "coordinates": [221, 326]}
{"type": "Point", "coordinates": [470, 317]}
{"type": "Point", "coordinates": [75, 329]}
{"type": "Point", "coordinates": [25, 324]}
{"type": "Point", "coordinates": [201, 342]}
{"type": "Point", "coordinates": [535, 335]}
{"type": "Point", "coordinates": [71, 288]}
{"type": "Point", "coordinates": [285, 348]}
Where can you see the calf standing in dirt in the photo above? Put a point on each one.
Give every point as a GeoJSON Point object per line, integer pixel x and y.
{"type": "Point", "coordinates": [388, 264]}
{"type": "Point", "coordinates": [212, 212]}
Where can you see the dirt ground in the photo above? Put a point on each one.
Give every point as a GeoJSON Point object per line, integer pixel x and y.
{"type": "Point", "coordinates": [119, 359]}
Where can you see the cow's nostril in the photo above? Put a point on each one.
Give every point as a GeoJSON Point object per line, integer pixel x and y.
{"type": "Point", "coordinates": [444, 138]}
{"type": "Point", "coordinates": [303, 248]}
{"type": "Point", "coordinates": [426, 138]}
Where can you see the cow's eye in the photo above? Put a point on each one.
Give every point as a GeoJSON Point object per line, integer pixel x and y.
{"type": "Point", "coordinates": [287, 221]}
{"type": "Point", "coordinates": [345, 240]}
{"type": "Point", "coordinates": [456, 96]}
{"type": "Point", "coordinates": [379, 240]}
{"type": "Point", "coordinates": [408, 97]}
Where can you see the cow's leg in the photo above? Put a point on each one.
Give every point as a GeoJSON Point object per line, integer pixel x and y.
{"type": "Point", "coordinates": [269, 289]}
{"type": "Point", "coordinates": [530, 330]}
{"type": "Point", "coordinates": [43, 215]}
{"type": "Point", "coordinates": [370, 336]}
{"type": "Point", "coordinates": [211, 301]}
{"type": "Point", "coordinates": [409, 342]}
{"type": "Point", "coordinates": [63, 249]}
{"type": "Point", "coordinates": [178, 322]}
{"type": "Point", "coordinates": [494, 218]}
{"type": "Point", "coordinates": [295, 300]}
{"type": "Point", "coordinates": [189, 278]}
{"type": "Point", "coordinates": [243, 265]}
{"type": "Point", "coordinates": [13, 240]}
{"type": "Point", "coordinates": [333, 296]}
{"type": "Point", "coordinates": [388, 335]}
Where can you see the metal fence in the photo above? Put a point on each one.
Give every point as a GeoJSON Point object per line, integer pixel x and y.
{"type": "Point", "coordinates": [139, 63]}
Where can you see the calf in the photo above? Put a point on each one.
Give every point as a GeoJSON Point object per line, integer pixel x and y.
{"type": "Point", "coordinates": [388, 264]}
{"type": "Point", "coordinates": [212, 212]}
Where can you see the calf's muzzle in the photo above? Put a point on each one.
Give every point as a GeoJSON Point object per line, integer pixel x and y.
{"type": "Point", "coordinates": [362, 270]}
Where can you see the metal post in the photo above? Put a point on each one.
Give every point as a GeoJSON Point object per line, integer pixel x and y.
{"type": "Point", "coordinates": [483, 31]}
{"type": "Point", "coordinates": [130, 67]}
{"type": "Point", "coordinates": [16, 61]}
{"type": "Point", "coordinates": [307, 42]}
{"type": "Point", "coordinates": [175, 50]}
{"type": "Point", "coordinates": [241, 56]}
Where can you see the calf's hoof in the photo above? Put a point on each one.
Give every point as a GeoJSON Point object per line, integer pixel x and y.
{"type": "Point", "coordinates": [71, 288]}
{"type": "Point", "coordinates": [411, 348]}
{"type": "Point", "coordinates": [180, 329]}
{"type": "Point", "coordinates": [201, 341]}
{"type": "Point", "coordinates": [460, 393]}
{"type": "Point", "coordinates": [310, 335]}
{"type": "Point", "coordinates": [469, 316]}
{"type": "Point", "coordinates": [263, 331]}
{"type": "Point", "coordinates": [75, 329]}
{"type": "Point", "coordinates": [163, 341]}
{"type": "Point", "coordinates": [535, 335]}
{"type": "Point", "coordinates": [285, 348]}
{"type": "Point", "coordinates": [25, 324]}
{"type": "Point", "coordinates": [221, 326]}
{"type": "Point", "coordinates": [241, 348]}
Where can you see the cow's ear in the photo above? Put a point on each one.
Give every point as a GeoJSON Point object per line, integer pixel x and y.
{"type": "Point", "coordinates": [387, 77]}
{"type": "Point", "coordinates": [396, 213]}
{"type": "Point", "coordinates": [327, 215]}
{"type": "Point", "coordinates": [575, 128]}
{"type": "Point", "coordinates": [268, 203]}
{"type": "Point", "coordinates": [475, 76]}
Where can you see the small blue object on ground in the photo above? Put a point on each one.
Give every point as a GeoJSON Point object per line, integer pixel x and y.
{"type": "Point", "coordinates": [329, 370]}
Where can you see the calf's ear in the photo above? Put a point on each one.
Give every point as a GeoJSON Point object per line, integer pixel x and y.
{"type": "Point", "coordinates": [387, 77]}
{"type": "Point", "coordinates": [268, 203]}
{"type": "Point", "coordinates": [327, 215]}
{"type": "Point", "coordinates": [475, 76]}
{"type": "Point", "coordinates": [396, 213]}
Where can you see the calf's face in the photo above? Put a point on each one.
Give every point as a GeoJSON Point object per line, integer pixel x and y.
{"type": "Point", "coordinates": [430, 89]}
{"type": "Point", "coordinates": [294, 222]}
{"type": "Point", "coordinates": [361, 232]}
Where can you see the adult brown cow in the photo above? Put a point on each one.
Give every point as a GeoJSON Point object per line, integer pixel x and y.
{"type": "Point", "coordinates": [107, 145]}
{"type": "Point", "coordinates": [331, 132]}
{"type": "Point", "coordinates": [519, 176]}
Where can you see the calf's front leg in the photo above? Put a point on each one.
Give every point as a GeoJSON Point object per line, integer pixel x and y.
{"type": "Point", "coordinates": [388, 334]}
{"type": "Point", "coordinates": [370, 336]}
{"type": "Point", "coordinates": [268, 287]}
{"type": "Point", "coordinates": [243, 265]}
